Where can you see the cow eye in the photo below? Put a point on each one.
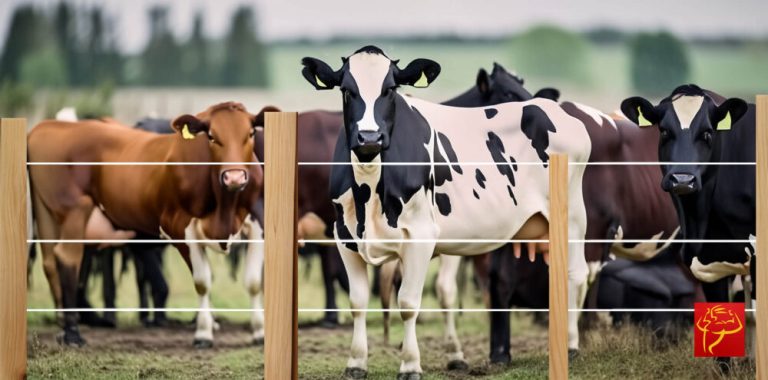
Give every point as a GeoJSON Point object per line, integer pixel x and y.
{"type": "Point", "coordinates": [664, 133]}
{"type": "Point", "coordinates": [345, 94]}
{"type": "Point", "coordinates": [707, 137]}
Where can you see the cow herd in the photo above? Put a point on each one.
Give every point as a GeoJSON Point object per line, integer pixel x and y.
{"type": "Point", "coordinates": [411, 180]}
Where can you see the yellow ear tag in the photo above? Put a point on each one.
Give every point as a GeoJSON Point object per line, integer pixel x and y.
{"type": "Point", "coordinates": [186, 134]}
{"type": "Point", "coordinates": [725, 124]}
{"type": "Point", "coordinates": [423, 82]}
{"type": "Point", "coordinates": [320, 83]}
{"type": "Point", "coordinates": [641, 120]}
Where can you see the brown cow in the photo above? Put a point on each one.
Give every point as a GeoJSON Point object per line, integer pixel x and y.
{"type": "Point", "coordinates": [191, 202]}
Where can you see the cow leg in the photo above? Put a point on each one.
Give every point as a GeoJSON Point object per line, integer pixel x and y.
{"type": "Point", "coordinates": [201, 273]}
{"type": "Point", "coordinates": [47, 228]}
{"type": "Point", "coordinates": [446, 295]}
{"type": "Point", "coordinates": [69, 257]}
{"type": "Point", "coordinates": [359, 294]}
{"type": "Point", "coordinates": [577, 266]}
{"type": "Point", "coordinates": [153, 269]}
{"type": "Point", "coordinates": [415, 258]}
{"type": "Point", "coordinates": [254, 265]}
{"type": "Point", "coordinates": [331, 317]}
{"type": "Point", "coordinates": [108, 286]}
{"type": "Point", "coordinates": [138, 254]}
{"type": "Point", "coordinates": [386, 281]}
{"type": "Point", "coordinates": [501, 277]}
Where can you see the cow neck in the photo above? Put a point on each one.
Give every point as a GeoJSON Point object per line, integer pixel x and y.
{"type": "Point", "coordinates": [410, 139]}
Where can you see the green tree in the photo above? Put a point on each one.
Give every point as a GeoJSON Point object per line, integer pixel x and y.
{"type": "Point", "coordinates": [245, 58]}
{"type": "Point", "coordinates": [552, 52]}
{"type": "Point", "coordinates": [162, 57]}
{"type": "Point", "coordinates": [104, 60]}
{"type": "Point", "coordinates": [195, 63]}
{"type": "Point", "coordinates": [65, 32]}
{"type": "Point", "coordinates": [26, 34]}
{"type": "Point", "coordinates": [659, 62]}
{"type": "Point", "coordinates": [43, 68]}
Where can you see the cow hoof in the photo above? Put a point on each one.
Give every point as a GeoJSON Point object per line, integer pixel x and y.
{"type": "Point", "coordinates": [457, 365]}
{"type": "Point", "coordinates": [724, 365]}
{"type": "Point", "coordinates": [409, 376]}
{"type": "Point", "coordinates": [70, 339]}
{"type": "Point", "coordinates": [501, 359]}
{"type": "Point", "coordinates": [202, 344]}
{"type": "Point", "coordinates": [257, 341]}
{"type": "Point", "coordinates": [355, 373]}
{"type": "Point", "coordinates": [572, 354]}
{"type": "Point", "coordinates": [329, 324]}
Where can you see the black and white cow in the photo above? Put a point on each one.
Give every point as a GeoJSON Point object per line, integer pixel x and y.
{"type": "Point", "coordinates": [388, 211]}
{"type": "Point", "coordinates": [712, 202]}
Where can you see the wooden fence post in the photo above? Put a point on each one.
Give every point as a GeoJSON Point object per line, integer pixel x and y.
{"type": "Point", "coordinates": [558, 267]}
{"type": "Point", "coordinates": [280, 262]}
{"type": "Point", "coordinates": [13, 248]}
{"type": "Point", "coordinates": [761, 130]}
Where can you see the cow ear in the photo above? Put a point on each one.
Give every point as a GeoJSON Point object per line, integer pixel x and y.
{"type": "Point", "coordinates": [189, 126]}
{"type": "Point", "coordinates": [640, 111]}
{"type": "Point", "coordinates": [483, 82]}
{"type": "Point", "coordinates": [257, 120]}
{"type": "Point", "coordinates": [319, 74]}
{"type": "Point", "coordinates": [728, 113]}
{"type": "Point", "coordinates": [548, 93]}
{"type": "Point", "coordinates": [420, 73]}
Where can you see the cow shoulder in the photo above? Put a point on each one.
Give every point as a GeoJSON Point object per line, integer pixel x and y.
{"type": "Point", "coordinates": [536, 125]}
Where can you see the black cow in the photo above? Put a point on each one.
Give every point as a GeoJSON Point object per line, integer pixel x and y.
{"type": "Point", "coordinates": [698, 127]}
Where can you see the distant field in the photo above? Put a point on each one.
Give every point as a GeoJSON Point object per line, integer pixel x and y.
{"type": "Point", "coordinates": [732, 71]}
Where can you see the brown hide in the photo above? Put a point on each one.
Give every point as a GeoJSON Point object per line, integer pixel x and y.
{"type": "Point", "coordinates": [317, 135]}
{"type": "Point", "coordinates": [626, 196]}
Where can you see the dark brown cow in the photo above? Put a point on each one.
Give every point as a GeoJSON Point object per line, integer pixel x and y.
{"type": "Point", "coordinates": [191, 202]}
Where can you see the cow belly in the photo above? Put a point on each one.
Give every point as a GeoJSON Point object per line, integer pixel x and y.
{"type": "Point", "coordinates": [494, 215]}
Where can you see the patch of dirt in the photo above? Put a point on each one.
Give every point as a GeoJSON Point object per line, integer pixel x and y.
{"type": "Point", "coordinates": [175, 341]}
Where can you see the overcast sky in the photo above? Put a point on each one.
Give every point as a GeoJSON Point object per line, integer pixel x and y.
{"type": "Point", "coordinates": [318, 19]}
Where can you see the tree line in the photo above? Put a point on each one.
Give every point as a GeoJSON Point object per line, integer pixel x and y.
{"type": "Point", "coordinates": [72, 46]}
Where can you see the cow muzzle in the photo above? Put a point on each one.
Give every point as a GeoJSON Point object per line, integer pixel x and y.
{"type": "Point", "coordinates": [369, 142]}
{"type": "Point", "coordinates": [234, 179]}
{"type": "Point", "coordinates": [682, 183]}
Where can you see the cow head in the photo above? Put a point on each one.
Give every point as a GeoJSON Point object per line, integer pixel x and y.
{"type": "Point", "coordinates": [368, 80]}
{"type": "Point", "coordinates": [689, 122]}
{"type": "Point", "coordinates": [229, 130]}
{"type": "Point", "coordinates": [501, 86]}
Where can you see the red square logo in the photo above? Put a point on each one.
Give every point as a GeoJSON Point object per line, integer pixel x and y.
{"type": "Point", "coordinates": [719, 329]}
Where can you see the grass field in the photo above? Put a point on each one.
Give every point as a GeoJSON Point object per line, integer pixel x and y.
{"type": "Point", "coordinates": [132, 352]}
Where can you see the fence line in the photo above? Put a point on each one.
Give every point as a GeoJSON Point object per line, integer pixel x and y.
{"type": "Point", "coordinates": [313, 163]}
{"type": "Point", "coordinates": [280, 292]}
{"type": "Point", "coordinates": [353, 310]}
{"type": "Point", "coordinates": [333, 241]}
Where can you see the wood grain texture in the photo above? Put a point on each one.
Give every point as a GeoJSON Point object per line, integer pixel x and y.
{"type": "Point", "coordinates": [280, 261]}
{"type": "Point", "coordinates": [761, 358]}
{"type": "Point", "coordinates": [13, 248]}
{"type": "Point", "coordinates": [558, 267]}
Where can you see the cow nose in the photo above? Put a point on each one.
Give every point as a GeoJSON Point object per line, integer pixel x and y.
{"type": "Point", "coordinates": [683, 183]}
{"type": "Point", "coordinates": [234, 179]}
{"type": "Point", "coordinates": [370, 142]}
